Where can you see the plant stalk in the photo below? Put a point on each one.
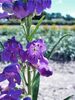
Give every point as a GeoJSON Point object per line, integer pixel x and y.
{"type": "Point", "coordinates": [29, 81]}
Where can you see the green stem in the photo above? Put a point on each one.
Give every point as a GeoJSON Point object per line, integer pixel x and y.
{"type": "Point", "coordinates": [28, 21]}
{"type": "Point", "coordinates": [29, 81]}
{"type": "Point", "coordinates": [1, 45]}
{"type": "Point", "coordinates": [26, 26]}
{"type": "Point", "coordinates": [34, 74]}
{"type": "Point", "coordinates": [24, 78]}
{"type": "Point", "coordinates": [22, 73]}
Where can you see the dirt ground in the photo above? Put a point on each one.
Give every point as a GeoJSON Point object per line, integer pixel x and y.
{"type": "Point", "coordinates": [61, 84]}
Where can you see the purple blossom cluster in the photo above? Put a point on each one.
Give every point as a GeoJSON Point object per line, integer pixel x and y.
{"type": "Point", "coordinates": [11, 74]}
{"type": "Point", "coordinates": [13, 50]}
{"type": "Point", "coordinates": [23, 8]}
{"type": "Point", "coordinates": [33, 55]}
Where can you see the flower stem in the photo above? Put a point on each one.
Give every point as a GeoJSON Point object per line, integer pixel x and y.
{"type": "Point", "coordinates": [28, 22]}
{"type": "Point", "coordinates": [29, 81]}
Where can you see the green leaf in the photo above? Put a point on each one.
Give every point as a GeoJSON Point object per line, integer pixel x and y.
{"type": "Point", "coordinates": [69, 97]}
{"type": "Point", "coordinates": [36, 28]}
{"type": "Point", "coordinates": [52, 50]}
{"type": "Point", "coordinates": [35, 86]}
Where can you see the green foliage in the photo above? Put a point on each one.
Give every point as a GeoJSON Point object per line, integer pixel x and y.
{"type": "Point", "coordinates": [36, 28]}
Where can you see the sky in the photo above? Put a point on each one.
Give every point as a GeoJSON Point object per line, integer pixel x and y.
{"type": "Point", "coordinates": [63, 6]}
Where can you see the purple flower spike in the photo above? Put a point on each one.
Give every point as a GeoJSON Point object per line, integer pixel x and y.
{"type": "Point", "coordinates": [22, 9]}
{"type": "Point", "coordinates": [11, 73]}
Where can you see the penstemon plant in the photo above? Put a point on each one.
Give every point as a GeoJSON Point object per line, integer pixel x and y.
{"type": "Point", "coordinates": [26, 65]}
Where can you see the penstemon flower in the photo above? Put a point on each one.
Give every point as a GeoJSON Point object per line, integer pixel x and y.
{"type": "Point", "coordinates": [11, 74]}
{"type": "Point", "coordinates": [10, 94]}
{"type": "Point", "coordinates": [23, 8]}
{"type": "Point", "coordinates": [34, 54]}
{"type": "Point", "coordinates": [12, 50]}
{"type": "Point", "coordinates": [43, 68]}
{"type": "Point", "coordinates": [35, 51]}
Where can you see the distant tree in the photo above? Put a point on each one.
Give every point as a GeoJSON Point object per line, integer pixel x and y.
{"type": "Point", "coordinates": [68, 17]}
{"type": "Point", "coordinates": [58, 15]}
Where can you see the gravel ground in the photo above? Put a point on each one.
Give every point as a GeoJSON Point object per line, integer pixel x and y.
{"type": "Point", "coordinates": [61, 84]}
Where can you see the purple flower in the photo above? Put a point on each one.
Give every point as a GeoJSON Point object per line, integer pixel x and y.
{"type": "Point", "coordinates": [18, 8]}
{"type": "Point", "coordinates": [23, 55]}
{"type": "Point", "coordinates": [41, 5]}
{"type": "Point", "coordinates": [12, 51]}
{"type": "Point", "coordinates": [2, 1]}
{"type": "Point", "coordinates": [7, 7]}
{"type": "Point", "coordinates": [13, 45]}
{"type": "Point", "coordinates": [11, 73]}
{"type": "Point", "coordinates": [4, 15]}
{"type": "Point", "coordinates": [10, 94]}
{"type": "Point", "coordinates": [9, 56]}
{"type": "Point", "coordinates": [43, 68]}
{"type": "Point", "coordinates": [35, 52]}
{"type": "Point", "coordinates": [21, 8]}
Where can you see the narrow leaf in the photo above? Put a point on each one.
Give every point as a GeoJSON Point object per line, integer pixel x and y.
{"type": "Point", "coordinates": [52, 50]}
{"type": "Point", "coordinates": [36, 28]}
{"type": "Point", "coordinates": [69, 97]}
{"type": "Point", "coordinates": [1, 46]}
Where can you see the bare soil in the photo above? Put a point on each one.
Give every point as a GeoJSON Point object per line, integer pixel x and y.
{"type": "Point", "coordinates": [61, 84]}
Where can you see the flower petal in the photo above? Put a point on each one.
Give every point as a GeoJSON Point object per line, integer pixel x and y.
{"type": "Point", "coordinates": [44, 70]}
{"type": "Point", "coordinates": [2, 1]}
{"type": "Point", "coordinates": [4, 15]}
{"type": "Point", "coordinates": [8, 7]}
